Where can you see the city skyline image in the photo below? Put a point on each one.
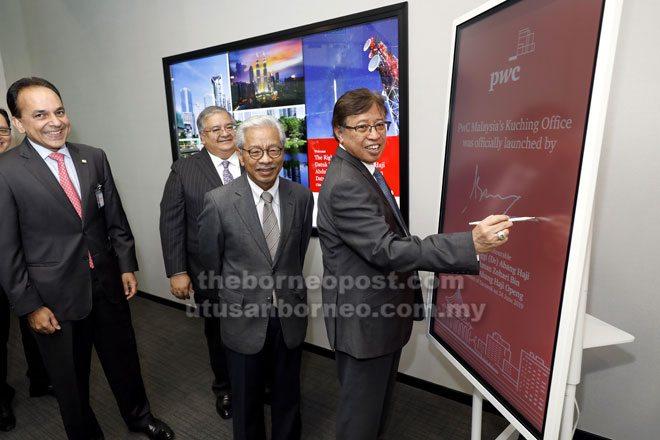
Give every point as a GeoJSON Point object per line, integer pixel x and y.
{"type": "Point", "coordinates": [267, 76]}
{"type": "Point", "coordinates": [198, 84]}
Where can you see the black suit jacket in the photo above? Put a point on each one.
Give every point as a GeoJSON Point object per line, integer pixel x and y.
{"type": "Point", "coordinates": [182, 202]}
{"type": "Point", "coordinates": [43, 241]}
{"type": "Point", "coordinates": [361, 237]}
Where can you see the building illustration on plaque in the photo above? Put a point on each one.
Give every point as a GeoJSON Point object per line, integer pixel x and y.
{"type": "Point", "coordinates": [525, 379]}
{"type": "Point", "coordinates": [526, 43]}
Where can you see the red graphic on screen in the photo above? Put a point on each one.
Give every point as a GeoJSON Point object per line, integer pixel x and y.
{"type": "Point", "coordinates": [521, 94]}
{"type": "Point", "coordinates": [320, 151]}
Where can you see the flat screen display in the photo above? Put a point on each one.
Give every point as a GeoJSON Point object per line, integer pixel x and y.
{"type": "Point", "coordinates": [297, 76]}
{"type": "Point", "coordinates": [520, 95]}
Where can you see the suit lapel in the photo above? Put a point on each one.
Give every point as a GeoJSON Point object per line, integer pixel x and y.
{"type": "Point", "coordinates": [345, 155]}
{"type": "Point", "coordinates": [206, 165]}
{"type": "Point", "coordinates": [38, 168]}
{"type": "Point", "coordinates": [80, 162]}
{"type": "Point", "coordinates": [287, 214]}
{"type": "Point", "coordinates": [244, 204]}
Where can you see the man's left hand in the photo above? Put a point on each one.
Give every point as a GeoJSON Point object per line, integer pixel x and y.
{"type": "Point", "coordinates": [130, 284]}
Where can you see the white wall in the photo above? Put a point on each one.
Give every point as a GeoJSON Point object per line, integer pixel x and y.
{"type": "Point", "coordinates": [105, 57]}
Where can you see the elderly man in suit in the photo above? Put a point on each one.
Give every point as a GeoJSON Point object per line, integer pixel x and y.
{"type": "Point", "coordinates": [255, 233]}
{"type": "Point", "coordinates": [216, 164]}
{"type": "Point", "coordinates": [68, 261]}
{"type": "Point", "coordinates": [362, 233]}
{"type": "Point", "coordinates": [39, 382]}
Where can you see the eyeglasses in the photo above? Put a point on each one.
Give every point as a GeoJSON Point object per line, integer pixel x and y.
{"type": "Point", "coordinates": [380, 127]}
{"type": "Point", "coordinates": [258, 153]}
{"type": "Point", "coordinates": [217, 130]}
{"type": "Point", "coordinates": [5, 131]}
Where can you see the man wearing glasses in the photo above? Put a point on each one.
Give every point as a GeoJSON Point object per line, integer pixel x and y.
{"type": "Point", "coordinates": [255, 234]}
{"type": "Point", "coordinates": [362, 233]}
{"type": "Point", "coordinates": [215, 165]}
{"type": "Point", "coordinates": [5, 131]}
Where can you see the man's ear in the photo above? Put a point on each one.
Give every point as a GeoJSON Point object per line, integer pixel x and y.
{"type": "Point", "coordinates": [339, 133]}
{"type": "Point", "coordinates": [240, 157]}
{"type": "Point", "coordinates": [17, 124]}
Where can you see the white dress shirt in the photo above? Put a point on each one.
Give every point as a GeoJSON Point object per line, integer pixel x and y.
{"type": "Point", "coordinates": [370, 166]}
{"type": "Point", "coordinates": [234, 165]}
{"type": "Point", "coordinates": [259, 202]}
{"type": "Point", "coordinates": [52, 163]}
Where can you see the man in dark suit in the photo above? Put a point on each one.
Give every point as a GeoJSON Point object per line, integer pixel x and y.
{"type": "Point", "coordinates": [362, 233]}
{"type": "Point", "coordinates": [39, 382]}
{"type": "Point", "coordinates": [68, 261]}
{"type": "Point", "coordinates": [216, 164]}
{"type": "Point", "coordinates": [255, 233]}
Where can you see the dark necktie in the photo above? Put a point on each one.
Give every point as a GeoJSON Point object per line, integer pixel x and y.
{"type": "Point", "coordinates": [390, 199]}
{"type": "Point", "coordinates": [69, 190]}
{"type": "Point", "coordinates": [419, 299]}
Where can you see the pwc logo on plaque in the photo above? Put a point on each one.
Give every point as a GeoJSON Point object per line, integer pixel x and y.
{"type": "Point", "coordinates": [526, 45]}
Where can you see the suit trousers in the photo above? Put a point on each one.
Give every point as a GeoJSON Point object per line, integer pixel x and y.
{"type": "Point", "coordinates": [36, 370]}
{"type": "Point", "coordinates": [67, 355]}
{"type": "Point", "coordinates": [217, 356]}
{"type": "Point", "coordinates": [366, 387]}
{"type": "Point", "coordinates": [279, 365]}
{"type": "Point", "coordinates": [5, 389]}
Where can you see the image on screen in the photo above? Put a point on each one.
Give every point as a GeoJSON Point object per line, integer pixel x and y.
{"type": "Point", "coordinates": [297, 76]}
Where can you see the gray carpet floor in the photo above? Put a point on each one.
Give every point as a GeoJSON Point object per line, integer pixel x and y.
{"type": "Point", "coordinates": [178, 381]}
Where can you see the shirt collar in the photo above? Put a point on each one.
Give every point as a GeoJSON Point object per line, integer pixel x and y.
{"type": "Point", "coordinates": [370, 166]}
{"type": "Point", "coordinates": [45, 152]}
{"type": "Point", "coordinates": [257, 190]}
{"type": "Point", "coordinates": [233, 159]}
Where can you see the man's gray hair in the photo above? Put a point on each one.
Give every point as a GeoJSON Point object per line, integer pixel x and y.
{"type": "Point", "coordinates": [257, 122]}
{"type": "Point", "coordinates": [208, 111]}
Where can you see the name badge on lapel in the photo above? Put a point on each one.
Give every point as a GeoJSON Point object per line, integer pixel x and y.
{"type": "Point", "coordinates": [99, 196]}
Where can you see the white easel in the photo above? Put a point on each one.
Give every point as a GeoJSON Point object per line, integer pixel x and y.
{"type": "Point", "coordinates": [590, 332]}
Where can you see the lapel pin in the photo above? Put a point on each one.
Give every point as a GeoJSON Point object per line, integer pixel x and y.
{"type": "Point", "coordinates": [84, 161]}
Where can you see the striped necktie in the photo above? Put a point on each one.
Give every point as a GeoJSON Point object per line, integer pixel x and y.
{"type": "Point", "coordinates": [69, 190]}
{"type": "Point", "coordinates": [271, 228]}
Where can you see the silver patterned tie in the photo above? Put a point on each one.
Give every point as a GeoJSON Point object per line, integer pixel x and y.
{"type": "Point", "coordinates": [226, 174]}
{"type": "Point", "coordinates": [271, 228]}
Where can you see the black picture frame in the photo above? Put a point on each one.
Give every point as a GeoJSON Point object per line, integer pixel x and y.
{"type": "Point", "coordinates": [333, 30]}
